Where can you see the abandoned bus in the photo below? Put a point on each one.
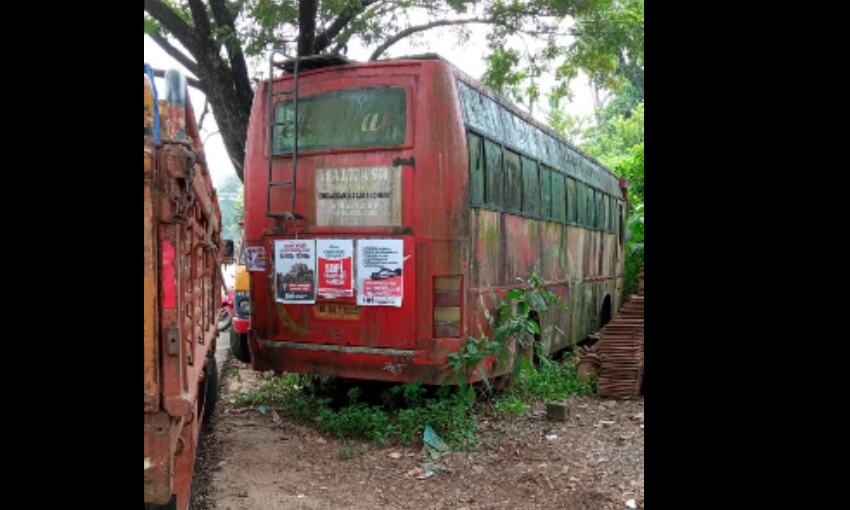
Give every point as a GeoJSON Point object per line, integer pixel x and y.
{"type": "Point", "coordinates": [402, 208]}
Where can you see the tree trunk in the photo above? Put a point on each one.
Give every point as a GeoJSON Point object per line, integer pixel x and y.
{"type": "Point", "coordinates": [229, 109]}
{"type": "Point", "coordinates": [306, 27]}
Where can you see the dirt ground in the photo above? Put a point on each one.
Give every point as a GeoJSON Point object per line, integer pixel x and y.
{"type": "Point", "coordinates": [253, 461]}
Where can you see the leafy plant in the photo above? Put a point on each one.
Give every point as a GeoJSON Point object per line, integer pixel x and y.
{"type": "Point", "coordinates": [517, 321]}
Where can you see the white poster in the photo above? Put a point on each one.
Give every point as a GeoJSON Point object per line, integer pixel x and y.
{"type": "Point", "coordinates": [364, 197]}
{"type": "Point", "coordinates": [295, 271]}
{"type": "Point", "coordinates": [335, 267]}
{"type": "Point", "coordinates": [379, 266]}
{"type": "Point", "coordinates": [255, 258]}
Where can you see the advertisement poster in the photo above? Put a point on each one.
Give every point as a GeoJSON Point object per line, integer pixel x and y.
{"type": "Point", "coordinates": [362, 196]}
{"type": "Point", "coordinates": [379, 278]}
{"type": "Point", "coordinates": [295, 271]}
{"type": "Point", "coordinates": [336, 268]}
{"type": "Point", "coordinates": [255, 258]}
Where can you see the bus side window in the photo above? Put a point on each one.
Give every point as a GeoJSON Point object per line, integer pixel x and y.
{"type": "Point", "coordinates": [581, 204]}
{"type": "Point", "coordinates": [513, 182]}
{"type": "Point", "coordinates": [559, 202]}
{"type": "Point", "coordinates": [546, 192]}
{"type": "Point", "coordinates": [494, 176]}
{"type": "Point", "coordinates": [530, 187]}
{"type": "Point", "coordinates": [622, 219]}
{"type": "Point", "coordinates": [604, 209]}
{"type": "Point", "coordinates": [572, 213]}
{"type": "Point", "coordinates": [612, 216]}
{"type": "Point", "coordinates": [476, 170]}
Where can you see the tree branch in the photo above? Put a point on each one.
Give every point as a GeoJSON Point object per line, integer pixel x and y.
{"type": "Point", "coordinates": [204, 113]}
{"type": "Point", "coordinates": [351, 10]}
{"type": "Point", "coordinates": [199, 16]}
{"type": "Point", "coordinates": [239, 69]}
{"type": "Point", "coordinates": [181, 30]}
{"type": "Point", "coordinates": [178, 55]}
{"type": "Point", "coordinates": [421, 28]}
{"type": "Point", "coordinates": [193, 82]}
{"type": "Point", "coordinates": [306, 26]}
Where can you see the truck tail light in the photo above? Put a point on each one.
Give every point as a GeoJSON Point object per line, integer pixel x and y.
{"type": "Point", "coordinates": [448, 306]}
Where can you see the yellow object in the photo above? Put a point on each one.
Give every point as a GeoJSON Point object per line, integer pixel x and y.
{"type": "Point", "coordinates": [241, 282]}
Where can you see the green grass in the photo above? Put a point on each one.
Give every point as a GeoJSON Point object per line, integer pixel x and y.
{"type": "Point", "coordinates": [405, 409]}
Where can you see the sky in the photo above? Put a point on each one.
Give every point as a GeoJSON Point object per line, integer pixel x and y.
{"type": "Point", "coordinates": [468, 56]}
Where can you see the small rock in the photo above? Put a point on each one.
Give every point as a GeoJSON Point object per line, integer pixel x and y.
{"type": "Point", "coordinates": [606, 422]}
{"type": "Point", "coordinates": [299, 496]}
{"type": "Point", "coordinates": [556, 411]}
{"type": "Point", "coordinates": [551, 437]}
{"type": "Point", "coordinates": [395, 455]}
{"type": "Point", "coordinates": [321, 440]}
{"type": "Point", "coordinates": [222, 463]}
{"type": "Point", "coordinates": [413, 472]}
{"type": "Point", "coordinates": [641, 425]}
{"type": "Point", "coordinates": [631, 503]}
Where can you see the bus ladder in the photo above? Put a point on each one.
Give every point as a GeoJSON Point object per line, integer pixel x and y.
{"type": "Point", "coordinates": [290, 214]}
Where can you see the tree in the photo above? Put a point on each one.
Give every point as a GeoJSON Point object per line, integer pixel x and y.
{"type": "Point", "coordinates": [217, 39]}
{"type": "Point", "coordinates": [231, 202]}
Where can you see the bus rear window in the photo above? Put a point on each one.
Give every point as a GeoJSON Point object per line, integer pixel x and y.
{"type": "Point", "coordinates": [370, 117]}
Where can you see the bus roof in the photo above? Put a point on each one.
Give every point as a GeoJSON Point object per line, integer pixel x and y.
{"type": "Point", "coordinates": [314, 62]}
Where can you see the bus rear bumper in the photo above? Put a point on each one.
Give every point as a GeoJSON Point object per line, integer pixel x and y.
{"type": "Point", "coordinates": [350, 362]}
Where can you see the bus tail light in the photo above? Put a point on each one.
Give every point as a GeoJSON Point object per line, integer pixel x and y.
{"type": "Point", "coordinates": [448, 306]}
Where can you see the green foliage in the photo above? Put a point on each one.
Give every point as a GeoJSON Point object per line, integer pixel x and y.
{"type": "Point", "coordinates": [272, 392]}
{"type": "Point", "coordinates": [550, 380]}
{"type": "Point", "coordinates": [618, 142]}
{"type": "Point", "coordinates": [510, 404]}
{"type": "Point", "coordinates": [232, 205]}
{"type": "Point", "coordinates": [608, 45]}
{"type": "Point", "coordinates": [515, 324]}
{"type": "Point", "coordinates": [449, 412]}
{"type": "Point", "coordinates": [350, 450]}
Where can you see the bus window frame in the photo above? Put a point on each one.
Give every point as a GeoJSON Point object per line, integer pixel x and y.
{"type": "Point", "coordinates": [410, 89]}
{"type": "Point", "coordinates": [590, 189]}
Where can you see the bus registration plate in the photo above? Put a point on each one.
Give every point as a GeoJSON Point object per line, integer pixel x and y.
{"type": "Point", "coordinates": [337, 311]}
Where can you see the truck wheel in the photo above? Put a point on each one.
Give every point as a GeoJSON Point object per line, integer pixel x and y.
{"type": "Point", "coordinates": [239, 346]}
{"type": "Point", "coordinates": [171, 505]}
{"type": "Point", "coordinates": [210, 387]}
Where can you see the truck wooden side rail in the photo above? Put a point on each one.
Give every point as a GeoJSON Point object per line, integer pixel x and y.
{"type": "Point", "coordinates": [183, 289]}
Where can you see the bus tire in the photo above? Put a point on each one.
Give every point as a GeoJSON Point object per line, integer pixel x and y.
{"type": "Point", "coordinates": [210, 387]}
{"type": "Point", "coordinates": [239, 346]}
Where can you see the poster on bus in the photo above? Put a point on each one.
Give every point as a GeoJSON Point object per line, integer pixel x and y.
{"type": "Point", "coordinates": [295, 271]}
{"type": "Point", "coordinates": [335, 267]}
{"type": "Point", "coordinates": [255, 258]}
{"type": "Point", "coordinates": [379, 278]}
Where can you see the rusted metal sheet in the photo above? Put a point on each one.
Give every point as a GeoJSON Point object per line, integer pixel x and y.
{"type": "Point", "coordinates": [151, 294]}
{"type": "Point", "coordinates": [620, 351]}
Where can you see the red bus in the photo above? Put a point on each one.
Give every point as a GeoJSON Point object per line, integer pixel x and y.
{"type": "Point", "coordinates": [418, 198]}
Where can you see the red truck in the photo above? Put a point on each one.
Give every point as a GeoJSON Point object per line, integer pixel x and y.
{"type": "Point", "coordinates": [183, 292]}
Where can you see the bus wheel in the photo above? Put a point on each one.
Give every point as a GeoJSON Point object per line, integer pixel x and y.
{"type": "Point", "coordinates": [239, 346]}
{"type": "Point", "coordinates": [210, 387]}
